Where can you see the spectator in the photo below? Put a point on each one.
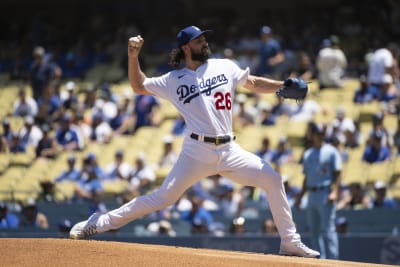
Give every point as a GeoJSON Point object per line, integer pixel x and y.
{"type": "Point", "coordinates": [25, 105]}
{"type": "Point", "coordinates": [344, 154]}
{"type": "Point", "coordinates": [382, 62]}
{"type": "Point", "coordinates": [146, 111]}
{"type": "Point", "coordinates": [90, 164]}
{"type": "Point", "coordinates": [283, 153]}
{"type": "Point", "coordinates": [72, 173]}
{"type": "Point", "coordinates": [101, 131]}
{"type": "Point", "coordinates": [119, 169]}
{"type": "Point", "coordinates": [342, 225]}
{"type": "Point", "coordinates": [378, 126]}
{"type": "Point", "coordinates": [238, 226]}
{"type": "Point", "coordinates": [50, 102]}
{"type": "Point", "coordinates": [305, 111]}
{"type": "Point", "coordinates": [142, 176]}
{"type": "Point", "coordinates": [8, 220]}
{"type": "Point", "coordinates": [381, 199]}
{"type": "Point", "coordinates": [266, 116]}
{"type": "Point", "coordinates": [304, 68]}
{"type": "Point", "coordinates": [270, 52]}
{"type": "Point", "coordinates": [388, 91]}
{"type": "Point", "coordinates": [32, 217]}
{"type": "Point", "coordinates": [198, 216]}
{"type": "Point", "coordinates": [106, 104]}
{"type": "Point", "coordinates": [122, 123]}
{"type": "Point", "coordinates": [375, 151]}
{"type": "Point", "coordinates": [331, 65]}
{"type": "Point", "coordinates": [242, 114]}
{"type": "Point", "coordinates": [230, 201]}
{"type": "Point", "coordinates": [179, 126]}
{"type": "Point", "coordinates": [30, 134]}
{"type": "Point", "coordinates": [66, 136]}
{"type": "Point", "coordinates": [42, 71]}
{"type": "Point", "coordinates": [341, 126]}
{"type": "Point", "coordinates": [161, 228]}
{"type": "Point", "coordinates": [354, 139]}
{"type": "Point", "coordinates": [355, 198]}
{"type": "Point", "coordinates": [47, 146]}
{"type": "Point", "coordinates": [7, 132]}
{"type": "Point", "coordinates": [265, 152]}
{"type": "Point", "coordinates": [89, 101]}
{"type": "Point", "coordinates": [281, 108]}
{"type": "Point", "coordinates": [69, 98]}
{"type": "Point", "coordinates": [16, 145]}
{"type": "Point", "coordinates": [169, 156]}
{"type": "Point", "coordinates": [322, 166]}
{"type": "Point", "coordinates": [89, 186]}
{"type": "Point", "coordinates": [81, 128]}
{"type": "Point", "coordinates": [269, 227]}
{"type": "Point", "coordinates": [365, 93]}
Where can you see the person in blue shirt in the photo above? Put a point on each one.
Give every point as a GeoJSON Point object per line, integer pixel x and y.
{"type": "Point", "coordinates": [365, 93]}
{"type": "Point", "coordinates": [270, 52]}
{"type": "Point", "coordinates": [381, 200]}
{"type": "Point", "coordinates": [66, 136]}
{"type": "Point", "coordinates": [376, 152]}
{"type": "Point", "coordinates": [8, 220]}
{"type": "Point", "coordinates": [16, 145]}
{"type": "Point", "coordinates": [89, 186]}
{"type": "Point", "coordinates": [322, 165]}
{"type": "Point", "coordinates": [146, 107]}
{"type": "Point", "coordinates": [71, 174]}
{"type": "Point", "coordinates": [198, 216]}
{"type": "Point", "coordinates": [42, 71]}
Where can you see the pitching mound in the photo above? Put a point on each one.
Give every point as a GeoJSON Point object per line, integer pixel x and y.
{"type": "Point", "coordinates": [64, 252]}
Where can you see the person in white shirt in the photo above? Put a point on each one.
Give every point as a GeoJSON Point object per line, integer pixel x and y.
{"type": "Point", "coordinates": [331, 65]}
{"type": "Point", "coordinates": [118, 169]}
{"type": "Point", "coordinates": [30, 134]}
{"type": "Point", "coordinates": [381, 62]}
{"type": "Point", "coordinates": [25, 105]}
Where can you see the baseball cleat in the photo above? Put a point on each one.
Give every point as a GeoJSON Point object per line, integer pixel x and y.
{"type": "Point", "coordinates": [85, 229]}
{"type": "Point", "coordinates": [298, 249]}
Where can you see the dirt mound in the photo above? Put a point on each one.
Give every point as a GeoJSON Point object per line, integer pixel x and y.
{"type": "Point", "coordinates": [64, 252]}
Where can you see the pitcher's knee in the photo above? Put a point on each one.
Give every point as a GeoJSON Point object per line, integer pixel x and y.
{"type": "Point", "coordinates": [275, 179]}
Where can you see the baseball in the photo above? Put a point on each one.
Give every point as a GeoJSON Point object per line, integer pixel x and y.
{"type": "Point", "coordinates": [134, 41]}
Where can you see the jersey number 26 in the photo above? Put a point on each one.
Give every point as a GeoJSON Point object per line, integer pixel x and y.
{"type": "Point", "coordinates": [223, 101]}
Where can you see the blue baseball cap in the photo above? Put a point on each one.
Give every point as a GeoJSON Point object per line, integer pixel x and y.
{"type": "Point", "coordinates": [189, 33]}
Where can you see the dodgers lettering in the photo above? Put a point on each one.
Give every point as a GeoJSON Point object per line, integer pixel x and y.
{"type": "Point", "coordinates": [183, 91]}
{"type": "Point", "coordinates": [186, 93]}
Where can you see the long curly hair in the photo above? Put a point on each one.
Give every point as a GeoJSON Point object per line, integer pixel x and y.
{"type": "Point", "coordinates": [175, 57]}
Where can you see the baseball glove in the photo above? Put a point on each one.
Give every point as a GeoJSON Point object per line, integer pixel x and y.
{"type": "Point", "coordinates": [293, 88]}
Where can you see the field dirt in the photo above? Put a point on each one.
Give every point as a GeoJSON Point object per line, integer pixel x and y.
{"type": "Point", "coordinates": [65, 252]}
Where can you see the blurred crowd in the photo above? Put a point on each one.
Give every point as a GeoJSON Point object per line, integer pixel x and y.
{"type": "Point", "coordinates": [60, 116]}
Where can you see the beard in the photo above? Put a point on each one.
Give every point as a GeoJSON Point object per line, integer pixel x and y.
{"type": "Point", "coordinates": [201, 56]}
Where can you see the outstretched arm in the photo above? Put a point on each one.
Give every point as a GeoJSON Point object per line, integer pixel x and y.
{"type": "Point", "coordinates": [135, 74]}
{"type": "Point", "coordinates": [262, 85]}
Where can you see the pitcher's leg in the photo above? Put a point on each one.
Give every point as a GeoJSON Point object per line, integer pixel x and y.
{"type": "Point", "coordinates": [246, 168]}
{"type": "Point", "coordinates": [184, 174]}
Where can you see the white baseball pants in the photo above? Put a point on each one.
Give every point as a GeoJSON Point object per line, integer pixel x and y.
{"type": "Point", "coordinates": [199, 160]}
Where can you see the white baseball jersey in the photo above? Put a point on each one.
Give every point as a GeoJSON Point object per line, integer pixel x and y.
{"type": "Point", "coordinates": [207, 91]}
{"type": "Point", "coordinates": [380, 60]}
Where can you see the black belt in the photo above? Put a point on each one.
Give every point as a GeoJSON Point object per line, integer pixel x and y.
{"type": "Point", "coordinates": [219, 140]}
{"type": "Point", "coordinates": [318, 188]}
